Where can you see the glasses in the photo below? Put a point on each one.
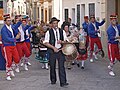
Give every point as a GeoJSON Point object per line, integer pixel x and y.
{"type": "Point", "coordinates": [8, 20]}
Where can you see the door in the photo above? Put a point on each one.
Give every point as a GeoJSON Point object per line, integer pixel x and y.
{"type": "Point", "coordinates": [45, 15]}
{"type": "Point", "coordinates": [118, 9]}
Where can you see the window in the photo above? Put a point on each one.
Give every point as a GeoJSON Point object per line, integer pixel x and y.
{"type": "Point", "coordinates": [66, 14]}
{"type": "Point", "coordinates": [42, 14]}
{"type": "Point", "coordinates": [38, 12]}
{"type": "Point", "coordinates": [50, 13]}
{"type": "Point", "coordinates": [91, 9]}
{"type": "Point", "coordinates": [78, 15]}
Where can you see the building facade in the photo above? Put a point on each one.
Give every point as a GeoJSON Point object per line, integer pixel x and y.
{"type": "Point", "coordinates": [77, 9]}
{"type": "Point", "coordinates": [15, 7]}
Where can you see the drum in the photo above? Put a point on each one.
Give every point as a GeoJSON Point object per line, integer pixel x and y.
{"type": "Point", "coordinates": [70, 51]}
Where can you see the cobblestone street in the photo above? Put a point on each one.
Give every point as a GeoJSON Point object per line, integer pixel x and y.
{"type": "Point", "coordinates": [94, 77]}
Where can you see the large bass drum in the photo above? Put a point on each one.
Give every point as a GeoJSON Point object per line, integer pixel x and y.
{"type": "Point", "coordinates": [70, 51]}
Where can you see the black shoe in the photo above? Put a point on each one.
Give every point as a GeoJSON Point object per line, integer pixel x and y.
{"type": "Point", "coordinates": [78, 65]}
{"type": "Point", "coordinates": [118, 61]}
{"type": "Point", "coordinates": [82, 67]}
{"type": "Point", "coordinates": [65, 84]}
{"type": "Point", "coordinates": [73, 63]}
{"type": "Point", "coordinates": [53, 83]}
{"type": "Point", "coordinates": [102, 53]}
{"type": "Point", "coordinates": [69, 68]}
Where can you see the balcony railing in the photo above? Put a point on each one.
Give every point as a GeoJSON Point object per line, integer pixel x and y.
{"type": "Point", "coordinates": [41, 1]}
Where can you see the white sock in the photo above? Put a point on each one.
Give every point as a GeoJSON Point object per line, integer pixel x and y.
{"type": "Point", "coordinates": [83, 63]}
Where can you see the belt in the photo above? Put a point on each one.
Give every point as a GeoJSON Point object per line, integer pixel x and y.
{"type": "Point", "coordinates": [20, 42]}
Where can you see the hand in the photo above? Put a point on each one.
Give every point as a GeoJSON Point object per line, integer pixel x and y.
{"type": "Point", "coordinates": [55, 49]}
{"type": "Point", "coordinates": [98, 31]}
{"type": "Point", "coordinates": [18, 35]}
{"type": "Point", "coordinates": [104, 19]}
{"type": "Point", "coordinates": [59, 42]}
{"type": "Point", "coordinates": [29, 22]}
{"type": "Point", "coordinates": [117, 37]}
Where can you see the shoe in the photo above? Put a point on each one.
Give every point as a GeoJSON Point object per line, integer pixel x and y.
{"type": "Point", "coordinates": [91, 60]}
{"type": "Point", "coordinates": [82, 67]}
{"type": "Point", "coordinates": [111, 73]}
{"type": "Point", "coordinates": [95, 56]}
{"type": "Point", "coordinates": [102, 53]}
{"type": "Point", "coordinates": [119, 60]}
{"type": "Point", "coordinates": [109, 67]}
{"type": "Point", "coordinates": [69, 68]}
{"type": "Point", "coordinates": [13, 66]}
{"type": "Point", "coordinates": [65, 84]}
{"type": "Point", "coordinates": [17, 70]}
{"type": "Point", "coordinates": [73, 63]}
{"type": "Point", "coordinates": [53, 83]}
{"type": "Point", "coordinates": [78, 65]}
{"type": "Point", "coordinates": [8, 78]}
{"type": "Point", "coordinates": [28, 63]}
{"type": "Point", "coordinates": [43, 67]}
{"type": "Point", "coordinates": [46, 66]}
{"type": "Point", "coordinates": [12, 74]}
{"type": "Point", "coordinates": [21, 64]}
{"type": "Point", "coordinates": [26, 67]}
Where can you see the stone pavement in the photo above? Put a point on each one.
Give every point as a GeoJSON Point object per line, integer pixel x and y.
{"type": "Point", "coordinates": [93, 77]}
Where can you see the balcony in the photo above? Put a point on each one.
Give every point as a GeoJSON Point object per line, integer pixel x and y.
{"type": "Point", "coordinates": [42, 1]}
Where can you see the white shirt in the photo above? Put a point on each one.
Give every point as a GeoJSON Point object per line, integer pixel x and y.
{"type": "Point", "coordinates": [22, 33]}
{"type": "Point", "coordinates": [10, 28]}
{"type": "Point", "coordinates": [117, 32]}
{"type": "Point", "coordinates": [27, 33]}
{"type": "Point", "coordinates": [96, 29]}
{"type": "Point", "coordinates": [94, 26]}
{"type": "Point", "coordinates": [47, 37]}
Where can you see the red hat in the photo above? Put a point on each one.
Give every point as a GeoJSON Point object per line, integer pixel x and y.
{"type": "Point", "coordinates": [85, 17]}
{"type": "Point", "coordinates": [6, 16]}
{"type": "Point", "coordinates": [17, 16]}
{"type": "Point", "coordinates": [113, 16]}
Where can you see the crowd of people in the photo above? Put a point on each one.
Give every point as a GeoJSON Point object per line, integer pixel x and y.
{"type": "Point", "coordinates": [20, 35]}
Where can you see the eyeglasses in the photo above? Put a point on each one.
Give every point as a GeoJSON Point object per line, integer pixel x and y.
{"type": "Point", "coordinates": [8, 20]}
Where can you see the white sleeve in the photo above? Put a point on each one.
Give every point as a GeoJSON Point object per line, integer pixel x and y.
{"type": "Point", "coordinates": [46, 37]}
{"type": "Point", "coordinates": [65, 36]}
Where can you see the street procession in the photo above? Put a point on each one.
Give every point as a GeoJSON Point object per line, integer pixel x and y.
{"type": "Point", "coordinates": [58, 44]}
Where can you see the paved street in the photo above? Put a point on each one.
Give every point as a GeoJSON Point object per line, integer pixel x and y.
{"type": "Point", "coordinates": [94, 77]}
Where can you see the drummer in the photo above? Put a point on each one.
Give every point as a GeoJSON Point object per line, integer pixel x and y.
{"type": "Point", "coordinates": [53, 40]}
{"type": "Point", "coordinates": [66, 29]}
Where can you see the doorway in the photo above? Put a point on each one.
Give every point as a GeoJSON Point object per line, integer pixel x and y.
{"type": "Point", "coordinates": [117, 2]}
{"type": "Point", "coordinates": [45, 15]}
{"type": "Point", "coordinates": [82, 12]}
{"type": "Point", "coordinates": [73, 15]}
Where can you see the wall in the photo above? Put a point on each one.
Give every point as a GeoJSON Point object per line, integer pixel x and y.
{"type": "Point", "coordinates": [73, 4]}
{"type": "Point", "coordinates": [22, 6]}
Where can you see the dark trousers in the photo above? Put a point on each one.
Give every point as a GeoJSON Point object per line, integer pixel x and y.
{"type": "Point", "coordinates": [61, 69]}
